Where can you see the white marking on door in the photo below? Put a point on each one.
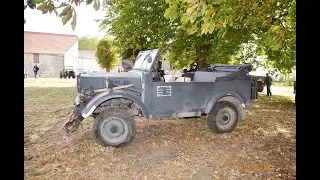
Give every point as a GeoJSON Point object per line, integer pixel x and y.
{"type": "Point", "coordinates": [163, 91]}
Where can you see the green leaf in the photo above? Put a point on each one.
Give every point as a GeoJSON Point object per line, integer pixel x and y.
{"type": "Point", "coordinates": [65, 11]}
{"type": "Point", "coordinates": [67, 17]}
{"type": "Point", "coordinates": [31, 4]}
{"type": "Point", "coordinates": [224, 33]}
{"type": "Point", "coordinates": [88, 2]}
{"type": "Point", "coordinates": [218, 2]}
{"type": "Point", "coordinates": [39, 1]}
{"type": "Point", "coordinates": [62, 5]}
{"type": "Point", "coordinates": [74, 21]}
{"type": "Point", "coordinates": [42, 6]}
{"type": "Point", "coordinates": [96, 5]}
{"type": "Point", "coordinates": [231, 22]}
{"type": "Point", "coordinates": [25, 6]}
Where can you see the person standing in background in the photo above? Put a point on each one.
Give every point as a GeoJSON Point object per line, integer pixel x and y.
{"type": "Point", "coordinates": [35, 71]}
{"type": "Point", "coordinates": [268, 83]}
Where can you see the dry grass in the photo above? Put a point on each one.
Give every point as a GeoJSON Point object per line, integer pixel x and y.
{"type": "Point", "coordinates": [261, 147]}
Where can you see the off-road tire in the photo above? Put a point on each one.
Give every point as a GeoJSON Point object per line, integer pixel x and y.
{"type": "Point", "coordinates": [223, 117]}
{"type": "Point", "coordinates": [121, 121]}
{"type": "Point", "coordinates": [61, 75]}
{"type": "Point", "coordinates": [73, 76]}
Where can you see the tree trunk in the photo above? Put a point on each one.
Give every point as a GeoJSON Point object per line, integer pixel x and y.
{"type": "Point", "coordinates": [201, 53]}
{"type": "Point", "coordinates": [107, 69]}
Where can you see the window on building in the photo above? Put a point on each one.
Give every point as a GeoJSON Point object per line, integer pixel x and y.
{"type": "Point", "coordinates": [35, 58]}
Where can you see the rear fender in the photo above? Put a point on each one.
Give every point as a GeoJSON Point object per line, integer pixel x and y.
{"type": "Point", "coordinates": [105, 96]}
{"type": "Point", "coordinates": [229, 96]}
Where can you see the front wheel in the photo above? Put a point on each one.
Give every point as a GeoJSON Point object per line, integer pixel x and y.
{"type": "Point", "coordinates": [223, 117]}
{"type": "Point", "coordinates": [114, 127]}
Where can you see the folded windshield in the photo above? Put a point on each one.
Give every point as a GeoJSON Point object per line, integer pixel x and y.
{"type": "Point", "coordinates": [141, 62]}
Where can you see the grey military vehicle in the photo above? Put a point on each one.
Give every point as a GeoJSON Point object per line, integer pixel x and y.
{"type": "Point", "coordinates": [67, 71]}
{"type": "Point", "coordinates": [113, 99]}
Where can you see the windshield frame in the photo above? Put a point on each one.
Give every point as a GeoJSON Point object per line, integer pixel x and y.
{"type": "Point", "coordinates": [141, 60]}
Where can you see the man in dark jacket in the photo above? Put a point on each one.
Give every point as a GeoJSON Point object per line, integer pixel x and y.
{"type": "Point", "coordinates": [268, 83]}
{"type": "Point", "coordinates": [35, 71]}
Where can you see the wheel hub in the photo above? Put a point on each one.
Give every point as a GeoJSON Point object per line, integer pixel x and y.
{"type": "Point", "coordinates": [113, 129]}
{"type": "Point", "coordinates": [224, 117]}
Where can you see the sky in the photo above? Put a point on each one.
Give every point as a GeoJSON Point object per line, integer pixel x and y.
{"type": "Point", "coordinates": [86, 26]}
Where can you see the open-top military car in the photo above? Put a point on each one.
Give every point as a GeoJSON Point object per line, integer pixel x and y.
{"type": "Point", "coordinates": [114, 98]}
{"type": "Point", "coordinates": [67, 71]}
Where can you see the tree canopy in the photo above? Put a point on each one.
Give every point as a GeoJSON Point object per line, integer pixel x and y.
{"type": "Point", "coordinates": [271, 23]}
{"type": "Point", "coordinates": [106, 54]}
{"type": "Point", "coordinates": [88, 43]}
{"type": "Point", "coordinates": [206, 31]}
{"type": "Point", "coordinates": [137, 24]}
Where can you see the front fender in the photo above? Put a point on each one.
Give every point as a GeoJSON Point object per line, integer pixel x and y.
{"type": "Point", "coordinates": [102, 97]}
{"type": "Point", "coordinates": [230, 96]}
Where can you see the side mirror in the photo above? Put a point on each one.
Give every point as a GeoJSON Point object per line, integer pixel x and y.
{"type": "Point", "coordinates": [149, 59]}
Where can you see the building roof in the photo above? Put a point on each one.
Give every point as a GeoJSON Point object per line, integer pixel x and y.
{"type": "Point", "coordinates": [48, 43]}
{"type": "Point", "coordinates": [87, 54]}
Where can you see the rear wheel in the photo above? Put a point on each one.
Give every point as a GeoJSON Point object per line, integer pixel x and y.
{"type": "Point", "coordinates": [223, 117]}
{"type": "Point", "coordinates": [114, 127]}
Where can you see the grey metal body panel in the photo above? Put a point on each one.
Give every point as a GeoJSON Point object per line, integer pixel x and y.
{"type": "Point", "coordinates": [105, 96]}
{"type": "Point", "coordinates": [99, 80]}
{"type": "Point", "coordinates": [194, 98]}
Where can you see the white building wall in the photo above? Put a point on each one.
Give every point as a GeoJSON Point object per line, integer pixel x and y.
{"type": "Point", "coordinates": [49, 65]}
{"type": "Point", "coordinates": [71, 56]}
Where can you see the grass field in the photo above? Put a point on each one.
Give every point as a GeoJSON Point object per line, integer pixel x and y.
{"type": "Point", "coordinates": [261, 147]}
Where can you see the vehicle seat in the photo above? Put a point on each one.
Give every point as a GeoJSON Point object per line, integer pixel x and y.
{"type": "Point", "coordinates": [169, 78]}
{"type": "Point", "coordinates": [181, 79]}
{"type": "Point", "coordinates": [202, 76]}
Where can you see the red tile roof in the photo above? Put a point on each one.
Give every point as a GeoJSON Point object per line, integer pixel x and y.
{"type": "Point", "coordinates": [48, 43]}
